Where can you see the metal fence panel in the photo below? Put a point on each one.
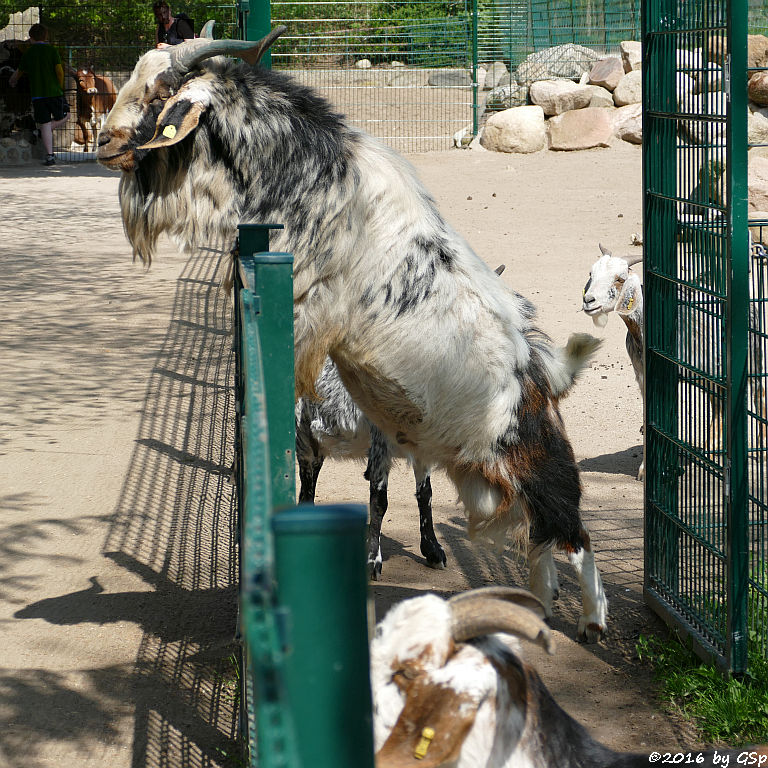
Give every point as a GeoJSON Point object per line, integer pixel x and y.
{"type": "Point", "coordinates": [697, 310]}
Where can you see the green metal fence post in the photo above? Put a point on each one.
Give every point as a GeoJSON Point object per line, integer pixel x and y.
{"type": "Point", "coordinates": [738, 337]}
{"type": "Point", "coordinates": [321, 577]}
{"type": "Point", "coordinates": [272, 283]}
{"type": "Point", "coordinates": [258, 23]}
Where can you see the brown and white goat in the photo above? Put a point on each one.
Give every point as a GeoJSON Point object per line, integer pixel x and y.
{"type": "Point", "coordinates": [449, 689]}
{"type": "Point", "coordinates": [437, 351]}
{"type": "Point", "coordinates": [95, 96]}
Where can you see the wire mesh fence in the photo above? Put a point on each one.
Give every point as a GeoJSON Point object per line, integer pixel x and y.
{"type": "Point", "coordinates": [417, 73]}
{"type": "Point", "coordinates": [105, 38]}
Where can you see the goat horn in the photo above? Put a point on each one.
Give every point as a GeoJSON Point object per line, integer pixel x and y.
{"type": "Point", "coordinates": [511, 594]}
{"type": "Point", "coordinates": [484, 616]}
{"type": "Point", "coordinates": [188, 55]}
{"type": "Point", "coordinates": [632, 260]}
{"type": "Point", "coordinates": [603, 250]}
{"type": "Point", "coordinates": [207, 31]}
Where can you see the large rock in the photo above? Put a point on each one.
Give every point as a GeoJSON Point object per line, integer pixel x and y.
{"type": "Point", "coordinates": [757, 125]}
{"type": "Point", "coordinates": [629, 90]}
{"type": "Point", "coordinates": [412, 78]}
{"type": "Point", "coordinates": [520, 129]}
{"type": "Point", "coordinates": [757, 88]}
{"type": "Point", "coordinates": [607, 73]}
{"type": "Point", "coordinates": [569, 61]}
{"type": "Point", "coordinates": [558, 96]}
{"type": "Point", "coordinates": [19, 24]}
{"type": "Point", "coordinates": [506, 97]}
{"type": "Point", "coordinates": [495, 75]}
{"type": "Point", "coordinates": [702, 132]}
{"type": "Point", "coordinates": [581, 129]}
{"type": "Point", "coordinates": [450, 78]}
{"type": "Point", "coordinates": [628, 123]}
{"type": "Point", "coordinates": [757, 181]}
{"type": "Point", "coordinates": [600, 97]}
{"type": "Point", "coordinates": [757, 49]}
{"type": "Point", "coordinates": [631, 55]}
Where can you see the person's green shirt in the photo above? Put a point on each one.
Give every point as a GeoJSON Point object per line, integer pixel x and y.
{"type": "Point", "coordinates": [42, 65]}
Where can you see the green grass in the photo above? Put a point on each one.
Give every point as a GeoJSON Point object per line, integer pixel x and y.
{"type": "Point", "coordinates": [724, 710]}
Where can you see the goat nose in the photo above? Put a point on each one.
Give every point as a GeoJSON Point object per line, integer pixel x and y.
{"type": "Point", "coordinates": [104, 138]}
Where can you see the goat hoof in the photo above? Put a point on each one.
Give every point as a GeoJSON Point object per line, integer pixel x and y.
{"type": "Point", "coordinates": [374, 571]}
{"type": "Point", "coordinates": [435, 556]}
{"type": "Point", "coordinates": [590, 632]}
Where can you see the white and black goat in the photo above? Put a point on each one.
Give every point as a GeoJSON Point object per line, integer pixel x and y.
{"type": "Point", "coordinates": [332, 426]}
{"type": "Point", "coordinates": [434, 348]}
{"type": "Point", "coordinates": [614, 287]}
{"type": "Point", "coordinates": [450, 690]}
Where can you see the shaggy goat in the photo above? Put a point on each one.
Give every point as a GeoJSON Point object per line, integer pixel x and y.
{"type": "Point", "coordinates": [430, 344]}
{"type": "Point", "coordinates": [448, 690]}
{"type": "Point", "coordinates": [334, 427]}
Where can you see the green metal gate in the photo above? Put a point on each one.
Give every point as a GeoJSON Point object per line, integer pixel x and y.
{"type": "Point", "coordinates": [706, 492]}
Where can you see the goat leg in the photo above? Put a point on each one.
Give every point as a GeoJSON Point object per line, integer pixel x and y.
{"type": "Point", "coordinates": [430, 547]}
{"type": "Point", "coordinates": [377, 474]}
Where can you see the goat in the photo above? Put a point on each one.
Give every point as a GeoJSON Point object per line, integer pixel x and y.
{"type": "Point", "coordinates": [613, 287]}
{"type": "Point", "coordinates": [95, 96]}
{"type": "Point", "coordinates": [449, 689]}
{"type": "Point", "coordinates": [333, 426]}
{"type": "Point", "coordinates": [436, 351]}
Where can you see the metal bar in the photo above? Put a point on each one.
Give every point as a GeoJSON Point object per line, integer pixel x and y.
{"type": "Point", "coordinates": [321, 575]}
{"type": "Point", "coordinates": [738, 335]}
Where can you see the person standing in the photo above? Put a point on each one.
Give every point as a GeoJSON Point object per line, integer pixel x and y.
{"type": "Point", "coordinates": [41, 64]}
{"type": "Point", "coordinates": [171, 30]}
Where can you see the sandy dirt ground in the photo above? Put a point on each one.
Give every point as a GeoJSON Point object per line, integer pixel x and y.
{"type": "Point", "coordinates": [117, 571]}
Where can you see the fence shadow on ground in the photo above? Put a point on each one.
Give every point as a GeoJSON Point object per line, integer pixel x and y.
{"type": "Point", "coordinates": [173, 526]}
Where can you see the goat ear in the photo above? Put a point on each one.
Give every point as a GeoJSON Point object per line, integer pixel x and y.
{"type": "Point", "coordinates": [431, 728]}
{"type": "Point", "coordinates": [180, 116]}
{"type": "Point", "coordinates": [630, 293]}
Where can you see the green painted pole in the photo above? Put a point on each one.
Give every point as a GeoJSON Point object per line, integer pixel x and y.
{"type": "Point", "coordinates": [271, 277]}
{"type": "Point", "coordinates": [258, 23]}
{"type": "Point", "coordinates": [738, 337]}
{"type": "Point", "coordinates": [322, 584]}
{"type": "Point", "coordinates": [475, 102]}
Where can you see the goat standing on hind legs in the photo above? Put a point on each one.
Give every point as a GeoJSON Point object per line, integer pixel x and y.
{"type": "Point", "coordinates": [434, 349]}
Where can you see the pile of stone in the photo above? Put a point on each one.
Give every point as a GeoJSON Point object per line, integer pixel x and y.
{"type": "Point", "coordinates": [567, 97]}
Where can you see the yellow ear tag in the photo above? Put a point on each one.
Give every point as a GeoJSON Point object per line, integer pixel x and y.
{"type": "Point", "coordinates": [169, 131]}
{"type": "Point", "coordinates": [421, 748]}
{"type": "Point", "coordinates": [630, 304]}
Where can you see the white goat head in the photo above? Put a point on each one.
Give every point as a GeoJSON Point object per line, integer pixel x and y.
{"type": "Point", "coordinates": [162, 102]}
{"type": "Point", "coordinates": [612, 286]}
{"type": "Point", "coordinates": [435, 672]}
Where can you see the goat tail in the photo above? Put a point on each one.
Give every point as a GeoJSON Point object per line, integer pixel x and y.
{"type": "Point", "coordinates": [578, 351]}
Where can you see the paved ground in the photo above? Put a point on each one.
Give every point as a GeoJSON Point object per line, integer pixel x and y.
{"type": "Point", "coordinates": [117, 575]}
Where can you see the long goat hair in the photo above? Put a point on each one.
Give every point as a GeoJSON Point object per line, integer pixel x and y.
{"type": "Point", "coordinates": [437, 352]}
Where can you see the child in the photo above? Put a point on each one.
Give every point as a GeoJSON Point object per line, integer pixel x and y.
{"type": "Point", "coordinates": [42, 65]}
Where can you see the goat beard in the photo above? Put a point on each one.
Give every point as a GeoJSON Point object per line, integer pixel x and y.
{"type": "Point", "coordinates": [600, 320]}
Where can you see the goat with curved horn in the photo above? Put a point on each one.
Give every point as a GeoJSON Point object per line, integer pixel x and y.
{"type": "Point", "coordinates": [186, 57]}
{"type": "Point", "coordinates": [479, 615]}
